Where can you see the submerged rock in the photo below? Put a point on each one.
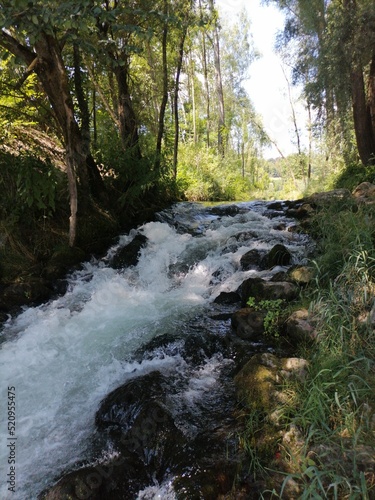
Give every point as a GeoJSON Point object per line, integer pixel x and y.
{"type": "Point", "coordinates": [129, 254]}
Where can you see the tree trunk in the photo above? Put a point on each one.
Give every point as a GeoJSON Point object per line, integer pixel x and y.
{"type": "Point", "coordinates": [371, 96]}
{"type": "Point", "coordinates": [96, 184]}
{"type": "Point", "coordinates": [362, 117]}
{"type": "Point", "coordinates": [206, 83]}
{"type": "Point", "coordinates": [221, 133]}
{"type": "Point", "coordinates": [127, 119]}
{"type": "Point", "coordinates": [165, 89]}
{"type": "Point", "coordinates": [175, 107]}
{"type": "Point", "coordinates": [361, 104]}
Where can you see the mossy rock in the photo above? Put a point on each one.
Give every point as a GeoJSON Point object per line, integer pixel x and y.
{"type": "Point", "coordinates": [258, 383]}
{"type": "Point", "coordinates": [256, 380]}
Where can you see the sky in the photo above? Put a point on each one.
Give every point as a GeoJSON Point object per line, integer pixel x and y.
{"type": "Point", "coordinates": [267, 86]}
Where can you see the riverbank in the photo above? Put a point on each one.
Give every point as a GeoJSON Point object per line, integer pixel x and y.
{"type": "Point", "coordinates": [310, 419]}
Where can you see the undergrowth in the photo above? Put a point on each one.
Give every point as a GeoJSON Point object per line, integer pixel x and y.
{"type": "Point", "coordinates": [333, 409]}
{"type": "Point", "coordinates": [336, 405]}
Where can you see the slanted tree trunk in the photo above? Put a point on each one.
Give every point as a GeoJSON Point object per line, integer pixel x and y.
{"type": "Point", "coordinates": [48, 64]}
{"type": "Point", "coordinates": [363, 105]}
{"type": "Point", "coordinates": [371, 96]}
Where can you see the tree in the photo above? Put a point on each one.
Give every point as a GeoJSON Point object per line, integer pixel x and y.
{"type": "Point", "coordinates": [36, 33]}
{"type": "Point", "coordinates": [333, 59]}
{"type": "Point", "coordinates": [222, 132]}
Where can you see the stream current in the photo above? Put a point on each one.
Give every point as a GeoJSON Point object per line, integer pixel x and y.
{"type": "Point", "coordinates": [65, 356]}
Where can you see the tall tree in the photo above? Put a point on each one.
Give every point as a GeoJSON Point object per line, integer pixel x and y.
{"type": "Point", "coordinates": [222, 132]}
{"type": "Point", "coordinates": [335, 47]}
{"type": "Point", "coordinates": [36, 34]}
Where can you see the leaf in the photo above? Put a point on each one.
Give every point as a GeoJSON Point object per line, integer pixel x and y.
{"type": "Point", "coordinates": [35, 20]}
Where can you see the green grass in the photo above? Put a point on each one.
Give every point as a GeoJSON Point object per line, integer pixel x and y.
{"type": "Point", "coordinates": [334, 408]}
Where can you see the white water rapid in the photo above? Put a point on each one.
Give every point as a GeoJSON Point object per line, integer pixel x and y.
{"type": "Point", "coordinates": [64, 357]}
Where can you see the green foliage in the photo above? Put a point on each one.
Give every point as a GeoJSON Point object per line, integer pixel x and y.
{"type": "Point", "coordinates": [275, 310]}
{"type": "Point", "coordinates": [28, 186]}
{"type": "Point", "coordinates": [203, 175]}
{"type": "Point", "coordinates": [354, 174]}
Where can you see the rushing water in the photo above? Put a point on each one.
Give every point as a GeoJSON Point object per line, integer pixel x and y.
{"type": "Point", "coordinates": [65, 356]}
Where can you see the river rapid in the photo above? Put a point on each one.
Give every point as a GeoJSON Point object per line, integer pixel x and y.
{"type": "Point", "coordinates": [62, 358]}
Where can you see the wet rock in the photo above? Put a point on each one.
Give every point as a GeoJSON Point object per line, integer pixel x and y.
{"type": "Point", "coordinates": [272, 214]}
{"type": "Point", "coordinates": [120, 408]}
{"type": "Point", "coordinates": [248, 323]}
{"type": "Point", "coordinates": [216, 461]}
{"type": "Point", "coordinates": [227, 298]}
{"type": "Point", "coordinates": [129, 254]}
{"type": "Point", "coordinates": [111, 480]}
{"type": "Point", "coordinates": [267, 290]}
{"type": "Point", "coordinates": [280, 276]}
{"type": "Point", "coordinates": [276, 205]}
{"type": "Point", "coordinates": [154, 441]}
{"type": "Point", "coordinates": [225, 210]}
{"type": "Point", "coordinates": [246, 236]}
{"type": "Point", "coordinates": [201, 346]}
{"type": "Point", "coordinates": [299, 328]}
{"type": "Point", "coordinates": [279, 255]}
{"type": "Point", "coordinates": [63, 260]}
{"type": "Point", "coordinates": [305, 210]}
{"type": "Point", "coordinates": [252, 259]}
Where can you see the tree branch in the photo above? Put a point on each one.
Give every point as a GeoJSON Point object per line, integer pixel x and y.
{"type": "Point", "coordinates": [12, 45]}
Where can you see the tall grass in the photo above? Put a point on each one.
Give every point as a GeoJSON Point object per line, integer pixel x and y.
{"type": "Point", "coordinates": [336, 405]}
{"type": "Point", "coordinates": [332, 410]}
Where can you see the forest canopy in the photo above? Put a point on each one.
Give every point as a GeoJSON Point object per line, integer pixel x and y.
{"type": "Point", "coordinates": [124, 97]}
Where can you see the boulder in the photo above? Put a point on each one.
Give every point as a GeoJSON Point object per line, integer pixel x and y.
{"type": "Point", "coordinates": [279, 255]}
{"type": "Point", "coordinates": [326, 197]}
{"type": "Point", "coordinates": [225, 210]}
{"type": "Point", "coordinates": [111, 480]}
{"type": "Point", "coordinates": [302, 275]}
{"type": "Point", "coordinates": [227, 298]}
{"type": "Point", "coordinates": [299, 328]}
{"type": "Point", "coordinates": [33, 292]}
{"type": "Point", "coordinates": [120, 408]}
{"type": "Point", "coordinates": [301, 212]}
{"type": "Point", "coordinates": [364, 193]}
{"type": "Point", "coordinates": [129, 254]}
{"type": "Point", "coordinates": [252, 259]}
{"type": "Point", "coordinates": [258, 382]}
{"type": "Point", "coordinates": [267, 290]}
{"type": "Point", "coordinates": [248, 323]}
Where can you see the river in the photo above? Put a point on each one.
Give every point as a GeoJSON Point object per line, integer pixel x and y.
{"type": "Point", "coordinates": [63, 357]}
